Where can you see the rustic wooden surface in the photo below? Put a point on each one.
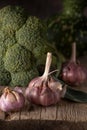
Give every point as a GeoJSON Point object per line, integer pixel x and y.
{"type": "Point", "coordinates": [64, 111]}
{"type": "Point", "coordinates": [66, 115]}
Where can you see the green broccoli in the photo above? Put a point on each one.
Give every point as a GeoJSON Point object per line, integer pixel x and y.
{"type": "Point", "coordinates": [12, 17]}
{"type": "Point", "coordinates": [6, 41]}
{"type": "Point", "coordinates": [36, 40]}
{"type": "Point", "coordinates": [23, 46]}
{"type": "Point", "coordinates": [1, 64]}
{"type": "Point", "coordinates": [23, 78]}
{"type": "Point", "coordinates": [40, 52]}
{"type": "Point", "coordinates": [17, 58]}
{"type": "Point", "coordinates": [5, 77]}
{"type": "Point", "coordinates": [2, 50]}
{"type": "Point", "coordinates": [42, 49]}
{"type": "Point", "coordinates": [32, 33]}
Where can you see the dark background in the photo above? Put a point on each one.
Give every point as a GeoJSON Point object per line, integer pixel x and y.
{"type": "Point", "coordinates": [41, 8]}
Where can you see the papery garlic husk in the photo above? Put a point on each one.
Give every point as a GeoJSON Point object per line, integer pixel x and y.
{"type": "Point", "coordinates": [44, 90]}
{"type": "Point", "coordinates": [72, 72]}
{"type": "Point", "coordinates": [11, 100]}
{"type": "Point", "coordinates": [54, 89]}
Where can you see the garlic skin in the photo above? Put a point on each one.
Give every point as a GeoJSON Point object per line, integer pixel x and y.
{"type": "Point", "coordinates": [44, 90]}
{"type": "Point", "coordinates": [44, 94]}
{"type": "Point", "coordinates": [51, 94]}
{"type": "Point", "coordinates": [11, 100]}
{"type": "Point", "coordinates": [71, 72]}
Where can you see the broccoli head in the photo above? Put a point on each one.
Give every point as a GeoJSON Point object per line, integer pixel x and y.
{"type": "Point", "coordinates": [23, 78]}
{"type": "Point", "coordinates": [17, 58]}
{"type": "Point", "coordinates": [23, 46]}
{"type": "Point", "coordinates": [12, 17]}
{"type": "Point", "coordinates": [32, 33]}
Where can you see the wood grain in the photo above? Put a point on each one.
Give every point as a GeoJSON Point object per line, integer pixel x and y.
{"type": "Point", "coordinates": [73, 112]}
{"type": "Point", "coordinates": [49, 113]}
{"type": "Point", "coordinates": [2, 115]}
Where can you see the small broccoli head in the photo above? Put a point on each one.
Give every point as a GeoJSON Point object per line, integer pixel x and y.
{"type": "Point", "coordinates": [31, 33]}
{"type": "Point", "coordinates": [42, 49]}
{"type": "Point", "coordinates": [23, 78]}
{"type": "Point", "coordinates": [5, 77]}
{"type": "Point", "coordinates": [12, 17]}
{"type": "Point", "coordinates": [17, 58]}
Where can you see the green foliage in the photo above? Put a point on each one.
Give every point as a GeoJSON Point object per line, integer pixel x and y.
{"type": "Point", "coordinates": [73, 8]}
{"type": "Point", "coordinates": [69, 26]}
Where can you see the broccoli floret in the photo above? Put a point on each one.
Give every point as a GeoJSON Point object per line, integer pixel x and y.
{"type": "Point", "coordinates": [12, 17]}
{"type": "Point", "coordinates": [23, 78]}
{"type": "Point", "coordinates": [2, 50]}
{"type": "Point", "coordinates": [3, 12]}
{"type": "Point", "coordinates": [1, 64]}
{"type": "Point", "coordinates": [17, 58]}
{"type": "Point", "coordinates": [5, 77]}
{"type": "Point", "coordinates": [42, 49]}
{"type": "Point", "coordinates": [32, 33]}
{"type": "Point", "coordinates": [4, 34]}
{"type": "Point", "coordinates": [6, 41]}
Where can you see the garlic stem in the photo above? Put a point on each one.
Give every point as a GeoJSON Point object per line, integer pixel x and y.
{"type": "Point", "coordinates": [57, 70]}
{"type": "Point", "coordinates": [7, 90]}
{"type": "Point", "coordinates": [47, 65]}
{"type": "Point", "coordinates": [73, 56]}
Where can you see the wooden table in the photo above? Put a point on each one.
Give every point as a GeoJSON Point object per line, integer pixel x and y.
{"type": "Point", "coordinates": [65, 115]}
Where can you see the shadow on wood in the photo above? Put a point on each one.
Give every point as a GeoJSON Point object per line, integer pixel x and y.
{"type": "Point", "coordinates": [42, 125]}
